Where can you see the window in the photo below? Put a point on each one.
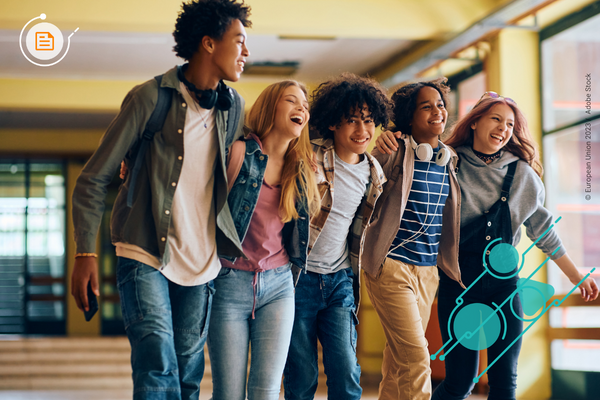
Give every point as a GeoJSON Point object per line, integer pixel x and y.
{"type": "Point", "coordinates": [32, 247]}
{"type": "Point", "coordinates": [467, 88]}
{"type": "Point", "coordinates": [570, 54]}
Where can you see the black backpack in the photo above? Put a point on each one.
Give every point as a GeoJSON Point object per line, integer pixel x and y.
{"type": "Point", "coordinates": [156, 122]}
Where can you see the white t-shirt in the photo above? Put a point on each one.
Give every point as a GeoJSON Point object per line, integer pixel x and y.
{"type": "Point", "coordinates": [191, 239]}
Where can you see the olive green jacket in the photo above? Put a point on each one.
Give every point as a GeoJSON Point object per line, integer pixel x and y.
{"type": "Point", "coordinates": [146, 223]}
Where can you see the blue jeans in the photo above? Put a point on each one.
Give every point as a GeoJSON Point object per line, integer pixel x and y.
{"type": "Point", "coordinates": [325, 310]}
{"type": "Point", "coordinates": [461, 363]}
{"type": "Point", "coordinates": [167, 327]}
{"type": "Point", "coordinates": [232, 330]}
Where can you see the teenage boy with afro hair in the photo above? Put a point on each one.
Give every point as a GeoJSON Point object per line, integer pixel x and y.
{"type": "Point", "coordinates": [345, 111]}
{"type": "Point", "coordinates": [165, 232]}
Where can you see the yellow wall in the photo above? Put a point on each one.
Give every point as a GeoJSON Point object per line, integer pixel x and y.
{"type": "Point", "coordinates": [337, 18]}
{"type": "Point", "coordinates": [87, 95]}
{"type": "Point", "coordinates": [65, 95]}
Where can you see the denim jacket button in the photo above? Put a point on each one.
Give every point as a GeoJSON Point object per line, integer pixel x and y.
{"type": "Point", "coordinates": [246, 208]}
{"type": "Point", "coordinates": [254, 184]}
{"type": "Point", "coordinates": [261, 158]}
{"type": "Point", "coordinates": [303, 242]}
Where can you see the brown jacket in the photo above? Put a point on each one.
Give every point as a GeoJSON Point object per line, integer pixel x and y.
{"type": "Point", "coordinates": [385, 222]}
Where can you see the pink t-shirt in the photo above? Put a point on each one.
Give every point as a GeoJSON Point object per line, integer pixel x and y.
{"type": "Point", "coordinates": [263, 243]}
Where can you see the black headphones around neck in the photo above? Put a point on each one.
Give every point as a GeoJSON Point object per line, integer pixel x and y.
{"type": "Point", "coordinates": [222, 98]}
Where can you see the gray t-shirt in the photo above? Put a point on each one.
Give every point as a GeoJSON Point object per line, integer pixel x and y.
{"type": "Point", "coordinates": [330, 252]}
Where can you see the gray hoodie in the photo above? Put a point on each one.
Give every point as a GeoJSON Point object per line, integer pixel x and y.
{"type": "Point", "coordinates": [480, 186]}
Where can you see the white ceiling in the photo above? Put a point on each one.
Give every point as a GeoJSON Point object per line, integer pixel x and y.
{"type": "Point", "coordinates": [138, 56]}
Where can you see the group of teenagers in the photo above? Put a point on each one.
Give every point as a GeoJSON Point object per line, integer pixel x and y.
{"type": "Point", "coordinates": [253, 239]}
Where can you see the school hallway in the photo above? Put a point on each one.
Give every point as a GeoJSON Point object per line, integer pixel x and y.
{"type": "Point", "coordinates": [126, 394]}
{"type": "Point", "coordinates": [94, 368]}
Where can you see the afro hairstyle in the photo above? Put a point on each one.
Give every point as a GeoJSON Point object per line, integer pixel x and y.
{"type": "Point", "coordinates": [211, 18]}
{"type": "Point", "coordinates": [334, 101]}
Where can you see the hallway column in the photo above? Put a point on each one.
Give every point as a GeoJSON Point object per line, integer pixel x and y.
{"type": "Point", "coordinates": [513, 70]}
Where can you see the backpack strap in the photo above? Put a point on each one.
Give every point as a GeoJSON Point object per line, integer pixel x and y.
{"type": "Point", "coordinates": [236, 159]}
{"type": "Point", "coordinates": [154, 124]}
{"type": "Point", "coordinates": [233, 118]}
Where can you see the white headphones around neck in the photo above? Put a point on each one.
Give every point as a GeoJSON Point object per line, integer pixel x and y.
{"type": "Point", "coordinates": [424, 152]}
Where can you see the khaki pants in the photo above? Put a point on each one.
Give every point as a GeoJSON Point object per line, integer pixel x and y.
{"type": "Point", "coordinates": [402, 295]}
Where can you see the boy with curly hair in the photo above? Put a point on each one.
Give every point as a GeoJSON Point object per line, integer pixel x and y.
{"type": "Point", "coordinates": [165, 222]}
{"type": "Point", "coordinates": [345, 111]}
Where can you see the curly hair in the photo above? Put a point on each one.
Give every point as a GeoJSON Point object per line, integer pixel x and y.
{"type": "Point", "coordinates": [521, 143]}
{"type": "Point", "coordinates": [405, 101]}
{"type": "Point", "coordinates": [334, 100]}
{"type": "Point", "coordinates": [211, 18]}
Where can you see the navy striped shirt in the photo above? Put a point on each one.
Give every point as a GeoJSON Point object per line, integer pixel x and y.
{"type": "Point", "coordinates": [418, 238]}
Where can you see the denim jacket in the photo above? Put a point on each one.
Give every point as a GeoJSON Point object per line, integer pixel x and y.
{"type": "Point", "coordinates": [244, 196]}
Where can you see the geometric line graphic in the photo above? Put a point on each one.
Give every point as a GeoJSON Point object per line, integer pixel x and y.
{"type": "Point", "coordinates": [477, 326]}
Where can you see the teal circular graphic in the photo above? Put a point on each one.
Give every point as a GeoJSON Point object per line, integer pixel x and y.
{"type": "Point", "coordinates": [504, 258]}
{"type": "Point", "coordinates": [468, 321]}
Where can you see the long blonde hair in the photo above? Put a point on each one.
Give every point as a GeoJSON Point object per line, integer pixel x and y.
{"type": "Point", "coordinates": [297, 177]}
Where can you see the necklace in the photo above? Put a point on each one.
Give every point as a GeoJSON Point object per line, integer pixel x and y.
{"type": "Point", "coordinates": [192, 95]}
{"type": "Point", "coordinates": [487, 158]}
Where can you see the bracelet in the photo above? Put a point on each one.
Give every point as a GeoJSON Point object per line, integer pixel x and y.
{"type": "Point", "coordinates": [86, 255]}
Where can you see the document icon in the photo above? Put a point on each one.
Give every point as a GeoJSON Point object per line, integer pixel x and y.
{"type": "Point", "coordinates": [44, 41]}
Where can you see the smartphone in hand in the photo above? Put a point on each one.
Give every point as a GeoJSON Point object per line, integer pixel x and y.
{"type": "Point", "coordinates": [92, 303]}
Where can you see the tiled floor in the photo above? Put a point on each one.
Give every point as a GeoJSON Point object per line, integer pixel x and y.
{"type": "Point", "coordinates": [124, 395]}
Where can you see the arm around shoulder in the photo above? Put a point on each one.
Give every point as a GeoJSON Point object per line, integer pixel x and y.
{"type": "Point", "coordinates": [388, 161]}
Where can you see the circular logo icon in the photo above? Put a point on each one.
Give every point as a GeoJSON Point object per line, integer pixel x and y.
{"type": "Point", "coordinates": [44, 41]}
